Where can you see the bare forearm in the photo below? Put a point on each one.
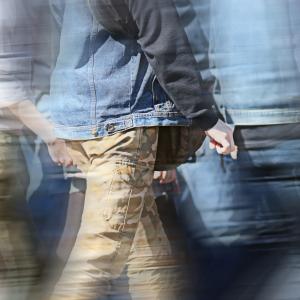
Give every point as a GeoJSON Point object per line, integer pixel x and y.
{"type": "Point", "coordinates": [27, 113]}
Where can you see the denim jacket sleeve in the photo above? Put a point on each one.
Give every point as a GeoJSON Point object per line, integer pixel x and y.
{"type": "Point", "coordinates": [168, 51]}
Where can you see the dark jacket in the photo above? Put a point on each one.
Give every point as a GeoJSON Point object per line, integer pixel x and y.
{"type": "Point", "coordinates": [156, 26]}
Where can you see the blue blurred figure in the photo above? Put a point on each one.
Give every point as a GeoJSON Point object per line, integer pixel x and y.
{"type": "Point", "coordinates": [245, 225]}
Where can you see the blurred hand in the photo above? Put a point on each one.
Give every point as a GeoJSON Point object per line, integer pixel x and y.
{"type": "Point", "coordinates": [165, 177]}
{"type": "Point", "coordinates": [221, 139]}
{"type": "Point", "coordinates": [59, 153]}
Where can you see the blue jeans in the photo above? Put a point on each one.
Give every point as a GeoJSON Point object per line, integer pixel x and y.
{"type": "Point", "coordinates": [240, 207]}
{"type": "Point", "coordinates": [49, 203]}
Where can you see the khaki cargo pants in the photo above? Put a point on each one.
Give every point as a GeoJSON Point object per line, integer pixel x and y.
{"type": "Point", "coordinates": [120, 226]}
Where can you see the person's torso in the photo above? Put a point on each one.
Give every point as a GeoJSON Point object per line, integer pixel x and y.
{"type": "Point", "coordinates": [253, 52]}
{"type": "Point", "coordinates": [102, 84]}
{"type": "Point", "coordinates": [255, 56]}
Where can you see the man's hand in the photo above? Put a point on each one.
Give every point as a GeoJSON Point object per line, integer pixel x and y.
{"type": "Point", "coordinates": [165, 177]}
{"type": "Point", "coordinates": [221, 139]}
{"type": "Point", "coordinates": [59, 153]}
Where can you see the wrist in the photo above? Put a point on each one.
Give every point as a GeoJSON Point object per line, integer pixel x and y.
{"type": "Point", "coordinates": [205, 121]}
{"type": "Point", "coordinates": [50, 139]}
{"type": "Point", "coordinates": [49, 136]}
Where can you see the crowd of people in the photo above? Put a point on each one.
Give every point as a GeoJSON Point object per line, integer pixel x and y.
{"type": "Point", "coordinates": [87, 91]}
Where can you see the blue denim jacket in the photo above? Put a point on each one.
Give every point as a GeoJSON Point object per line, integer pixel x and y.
{"type": "Point", "coordinates": [102, 85]}
{"type": "Point", "coordinates": [254, 54]}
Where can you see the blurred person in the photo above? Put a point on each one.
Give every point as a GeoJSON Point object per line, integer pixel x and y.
{"type": "Point", "coordinates": [18, 262]}
{"type": "Point", "coordinates": [107, 102]}
{"type": "Point", "coordinates": [48, 200]}
{"type": "Point", "coordinates": [244, 214]}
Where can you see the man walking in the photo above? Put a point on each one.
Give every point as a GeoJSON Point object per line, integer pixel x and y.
{"type": "Point", "coordinates": [110, 94]}
{"type": "Point", "coordinates": [250, 207]}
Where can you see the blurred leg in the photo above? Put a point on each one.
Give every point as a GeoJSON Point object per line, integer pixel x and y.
{"type": "Point", "coordinates": [155, 269]}
{"type": "Point", "coordinates": [119, 172]}
{"type": "Point", "coordinates": [17, 261]}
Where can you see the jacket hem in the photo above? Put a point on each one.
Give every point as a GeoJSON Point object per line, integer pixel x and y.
{"type": "Point", "coordinates": [112, 126]}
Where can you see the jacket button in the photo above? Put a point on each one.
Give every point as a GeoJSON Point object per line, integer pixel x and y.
{"type": "Point", "coordinates": [95, 132]}
{"type": "Point", "coordinates": [110, 128]}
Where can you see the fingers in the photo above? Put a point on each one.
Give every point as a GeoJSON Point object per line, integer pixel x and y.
{"type": "Point", "coordinates": [165, 177]}
{"type": "Point", "coordinates": [65, 161]}
{"type": "Point", "coordinates": [168, 177]}
{"type": "Point", "coordinates": [156, 175]}
{"type": "Point", "coordinates": [221, 139]}
{"type": "Point", "coordinates": [226, 141]}
{"type": "Point", "coordinates": [225, 148]}
{"type": "Point", "coordinates": [228, 146]}
{"type": "Point", "coordinates": [212, 144]}
{"type": "Point", "coordinates": [231, 140]}
{"type": "Point", "coordinates": [234, 153]}
{"type": "Point", "coordinates": [221, 148]}
{"type": "Point", "coordinates": [59, 153]}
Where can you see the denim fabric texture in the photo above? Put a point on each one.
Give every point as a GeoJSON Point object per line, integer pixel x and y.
{"type": "Point", "coordinates": [102, 85]}
{"type": "Point", "coordinates": [253, 199]}
{"type": "Point", "coordinates": [253, 52]}
{"type": "Point", "coordinates": [242, 217]}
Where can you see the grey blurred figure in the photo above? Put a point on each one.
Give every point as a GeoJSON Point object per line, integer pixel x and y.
{"type": "Point", "coordinates": [20, 53]}
{"type": "Point", "coordinates": [18, 266]}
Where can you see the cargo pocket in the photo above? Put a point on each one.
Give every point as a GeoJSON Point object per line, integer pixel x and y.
{"type": "Point", "coordinates": [126, 195]}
